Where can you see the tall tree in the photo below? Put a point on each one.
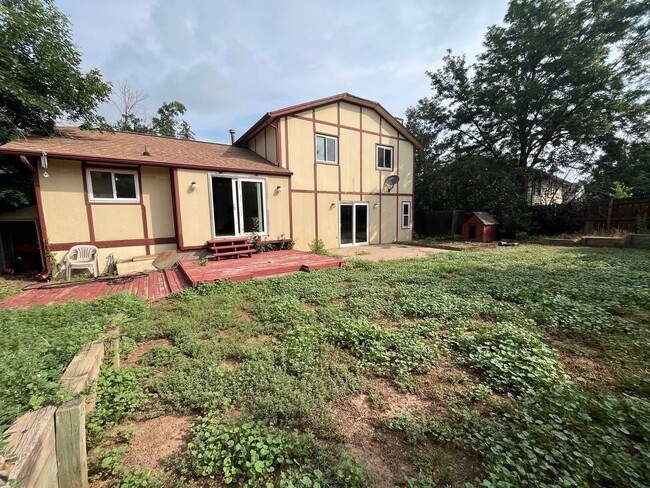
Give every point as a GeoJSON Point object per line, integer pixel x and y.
{"type": "Point", "coordinates": [129, 102]}
{"type": "Point", "coordinates": [622, 161]}
{"type": "Point", "coordinates": [168, 121]}
{"type": "Point", "coordinates": [553, 83]}
{"type": "Point", "coordinates": [40, 71]}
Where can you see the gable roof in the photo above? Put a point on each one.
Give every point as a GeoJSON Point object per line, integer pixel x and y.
{"type": "Point", "coordinates": [485, 217]}
{"type": "Point", "coordinates": [126, 147]}
{"type": "Point", "coordinates": [269, 117]}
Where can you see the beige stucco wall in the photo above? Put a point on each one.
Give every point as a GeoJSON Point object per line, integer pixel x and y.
{"type": "Point", "coordinates": [359, 131]}
{"type": "Point", "coordinates": [196, 207]}
{"type": "Point", "coordinates": [157, 199]}
{"type": "Point", "coordinates": [64, 207]}
{"type": "Point", "coordinates": [265, 144]}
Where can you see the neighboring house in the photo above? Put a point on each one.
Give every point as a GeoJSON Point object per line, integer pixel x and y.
{"type": "Point", "coordinates": [316, 170]}
{"type": "Point", "coordinates": [547, 189]}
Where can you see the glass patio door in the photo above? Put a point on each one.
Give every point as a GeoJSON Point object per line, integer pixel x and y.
{"type": "Point", "coordinates": [353, 224]}
{"type": "Point", "coordinates": [238, 206]}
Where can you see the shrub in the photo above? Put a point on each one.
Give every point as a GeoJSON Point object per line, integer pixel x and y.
{"type": "Point", "coordinates": [511, 358]}
{"type": "Point", "coordinates": [317, 246]}
{"type": "Point", "coordinates": [254, 454]}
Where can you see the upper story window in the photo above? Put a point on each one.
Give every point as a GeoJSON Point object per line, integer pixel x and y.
{"type": "Point", "coordinates": [326, 149]}
{"type": "Point", "coordinates": [385, 157]}
{"type": "Point", "coordinates": [113, 185]}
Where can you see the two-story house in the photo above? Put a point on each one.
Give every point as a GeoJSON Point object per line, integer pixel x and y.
{"type": "Point", "coordinates": [339, 169]}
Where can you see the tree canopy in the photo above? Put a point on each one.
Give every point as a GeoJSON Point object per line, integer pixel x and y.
{"type": "Point", "coordinates": [553, 85]}
{"type": "Point", "coordinates": [41, 79]}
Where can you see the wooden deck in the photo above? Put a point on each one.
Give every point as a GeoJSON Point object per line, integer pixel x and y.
{"type": "Point", "coordinates": [262, 265]}
{"type": "Point", "coordinates": [160, 284]}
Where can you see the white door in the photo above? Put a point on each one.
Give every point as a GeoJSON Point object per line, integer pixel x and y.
{"type": "Point", "coordinates": [353, 224]}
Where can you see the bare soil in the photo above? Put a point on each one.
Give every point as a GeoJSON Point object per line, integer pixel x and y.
{"type": "Point", "coordinates": [385, 252]}
{"type": "Point", "coordinates": [157, 438]}
{"type": "Point", "coordinates": [143, 348]}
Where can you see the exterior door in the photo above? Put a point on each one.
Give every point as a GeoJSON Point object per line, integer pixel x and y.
{"type": "Point", "coordinates": [353, 224]}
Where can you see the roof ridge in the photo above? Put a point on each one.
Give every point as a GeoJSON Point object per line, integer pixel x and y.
{"type": "Point", "coordinates": [126, 132]}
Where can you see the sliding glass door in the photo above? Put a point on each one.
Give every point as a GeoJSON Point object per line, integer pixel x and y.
{"type": "Point", "coordinates": [353, 224]}
{"type": "Point", "coordinates": [238, 206]}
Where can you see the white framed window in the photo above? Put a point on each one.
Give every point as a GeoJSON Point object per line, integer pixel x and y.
{"type": "Point", "coordinates": [326, 149]}
{"type": "Point", "coordinates": [112, 185]}
{"type": "Point", "coordinates": [385, 157]}
{"type": "Point", "coordinates": [239, 206]}
{"type": "Point", "coordinates": [406, 215]}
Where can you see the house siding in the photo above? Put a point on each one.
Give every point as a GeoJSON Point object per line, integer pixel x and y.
{"type": "Point", "coordinates": [355, 177]}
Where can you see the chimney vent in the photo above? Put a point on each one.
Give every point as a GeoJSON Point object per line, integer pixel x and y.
{"type": "Point", "coordinates": [400, 120]}
{"type": "Point", "coordinates": [232, 136]}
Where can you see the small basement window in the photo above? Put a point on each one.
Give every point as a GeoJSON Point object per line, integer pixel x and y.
{"type": "Point", "coordinates": [326, 149]}
{"type": "Point", "coordinates": [112, 185]}
{"type": "Point", "coordinates": [406, 215]}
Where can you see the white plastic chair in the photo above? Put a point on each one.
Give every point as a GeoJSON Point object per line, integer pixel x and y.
{"type": "Point", "coordinates": [81, 257]}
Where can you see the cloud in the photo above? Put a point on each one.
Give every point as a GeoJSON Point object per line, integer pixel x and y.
{"type": "Point", "coordinates": [231, 62]}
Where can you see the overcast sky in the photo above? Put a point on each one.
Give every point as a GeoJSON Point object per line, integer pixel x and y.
{"type": "Point", "coordinates": [231, 62]}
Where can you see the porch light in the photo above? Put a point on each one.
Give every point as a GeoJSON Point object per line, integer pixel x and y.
{"type": "Point", "coordinates": [194, 186]}
{"type": "Point", "coordinates": [44, 163]}
{"type": "Point", "coordinates": [333, 205]}
{"type": "Point", "coordinates": [375, 205]}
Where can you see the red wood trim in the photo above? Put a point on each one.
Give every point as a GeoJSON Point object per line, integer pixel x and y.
{"type": "Point", "coordinates": [45, 247]}
{"type": "Point", "coordinates": [360, 150]}
{"type": "Point", "coordinates": [177, 209]}
{"type": "Point", "coordinates": [338, 143]}
{"type": "Point", "coordinates": [278, 144]}
{"type": "Point", "coordinates": [64, 246]}
{"type": "Point", "coordinates": [332, 124]}
{"type": "Point", "coordinates": [89, 210]}
{"type": "Point", "coordinates": [173, 194]}
{"type": "Point", "coordinates": [333, 192]}
{"type": "Point", "coordinates": [265, 142]}
{"type": "Point", "coordinates": [399, 210]}
{"type": "Point", "coordinates": [286, 145]}
{"type": "Point", "coordinates": [143, 209]}
{"type": "Point", "coordinates": [313, 114]}
{"type": "Point", "coordinates": [380, 185]}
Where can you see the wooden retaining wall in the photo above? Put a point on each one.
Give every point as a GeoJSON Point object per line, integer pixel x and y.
{"type": "Point", "coordinates": [49, 444]}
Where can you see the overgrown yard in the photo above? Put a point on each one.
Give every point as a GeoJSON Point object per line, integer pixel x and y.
{"type": "Point", "coordinates": [511, 367]}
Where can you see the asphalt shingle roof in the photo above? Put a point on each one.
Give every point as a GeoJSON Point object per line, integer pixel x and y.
{"type": "Point", "coordinates": [124, 147]}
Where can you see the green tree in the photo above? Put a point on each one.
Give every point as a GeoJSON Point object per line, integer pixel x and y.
{"type": "Point", "coordinates": [553, 83]}
{"type": "Point", "coordinates": [620, 190]}
{"type": "Point", "coordinates": [40, 72]}
{"type": "Point", "coordinates": [168, 121]}
{"type": "Point", "coordinates": [622, 161]}
{"type": "Point", "coordinates": [41, 81]}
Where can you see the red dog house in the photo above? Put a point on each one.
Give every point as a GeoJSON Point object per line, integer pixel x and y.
{"type": "Point", "coordinates": [480, 227]}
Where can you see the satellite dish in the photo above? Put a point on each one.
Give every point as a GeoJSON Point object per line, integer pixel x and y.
{"type": "Point", "coordinates": [390, 182]}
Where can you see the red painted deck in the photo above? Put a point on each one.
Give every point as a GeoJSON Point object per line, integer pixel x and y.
{"type": "Point", "coordinates": [154, 286]}
{"type": "Point", "coordinates": [263, 265]}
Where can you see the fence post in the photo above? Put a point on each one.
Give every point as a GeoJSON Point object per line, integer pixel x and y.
{"type": "Point", "coordinates": [609, 213]}
{"type": "Point", "coordinates": [70, 425]}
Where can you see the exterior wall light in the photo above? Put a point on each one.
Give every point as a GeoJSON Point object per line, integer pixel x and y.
{"type": "Point", "coordinates": [375, 205]}
{"type": "Point", "coordinates": [278, 189]}
{"type": "Point", "coordinates": [194, 186]}
{"type": "Point", "coordinates": [333, 205]}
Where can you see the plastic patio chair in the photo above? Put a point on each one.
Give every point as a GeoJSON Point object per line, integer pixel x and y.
{"type": "Point", "coordinates": [81, 257]}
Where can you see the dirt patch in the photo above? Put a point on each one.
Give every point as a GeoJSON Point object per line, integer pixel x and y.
{"type": "Point", "coordinates": [143, 348]}
{"type": "Point", "coordinates": [261, 340]}
{"type": "Point", "coordinates": [383, 453]}
{"type": "Point", "coordinates": [244, 316]}
{"type": "Point", "coordinates": [385, 398]}
{"type": "Point", "coordinates": [155, 439]}
{"type": "Point", "coordinates": [230, 363]}
{"type": "Point", "coordinates": [381, 253]}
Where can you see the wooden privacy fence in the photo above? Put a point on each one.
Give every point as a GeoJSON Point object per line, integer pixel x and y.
{"type": "Point", "coordinates": [439, 222]}
{"type": "Point", "coordinates": [617, 213]}
{"type": "Point", "coordinates": [49, 444]}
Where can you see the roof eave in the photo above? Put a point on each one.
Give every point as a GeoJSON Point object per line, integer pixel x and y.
{"type": "Point", "coordinates": [103, 159]}
{"type": "Point", "coordinates": [272, 116]}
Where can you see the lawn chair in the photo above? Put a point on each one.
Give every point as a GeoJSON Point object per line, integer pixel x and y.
{"type": "Point", "coordinates": [81, 257]}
